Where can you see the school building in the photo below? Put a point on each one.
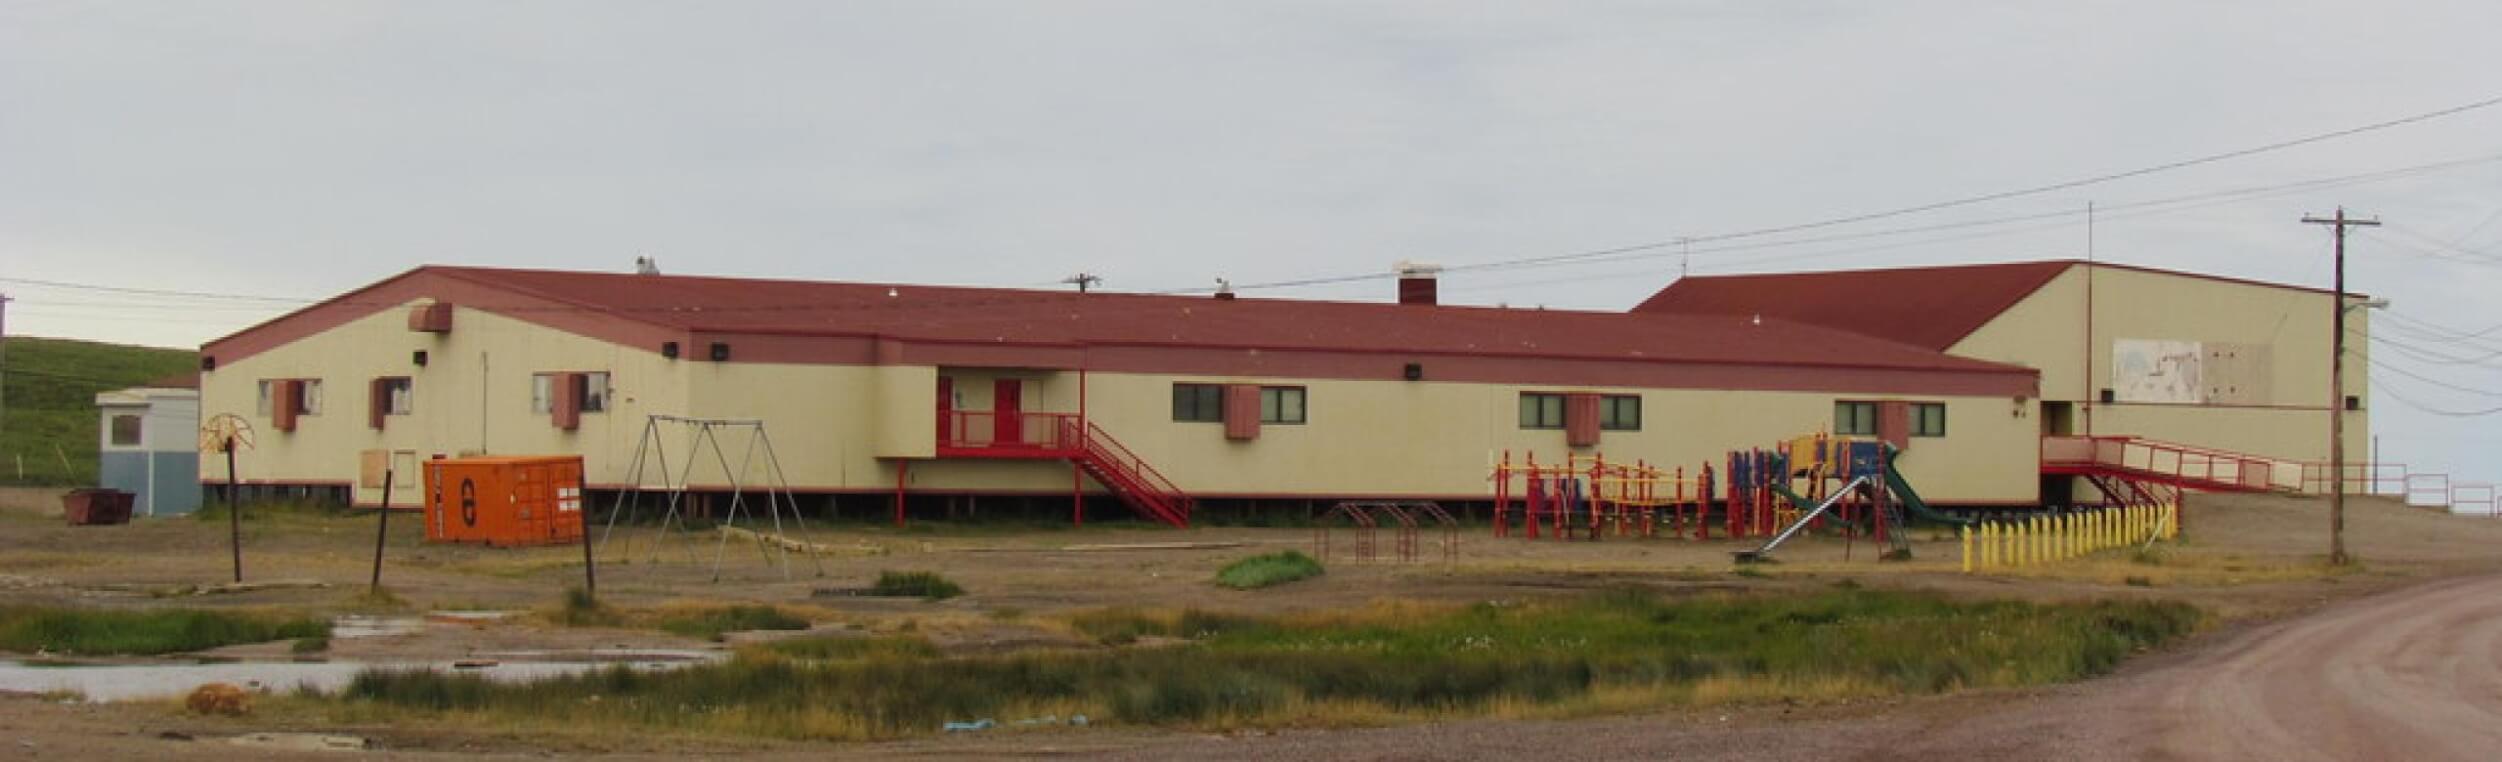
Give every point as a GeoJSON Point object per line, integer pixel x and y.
{"type": "Point", "coordinates": [877, 393]}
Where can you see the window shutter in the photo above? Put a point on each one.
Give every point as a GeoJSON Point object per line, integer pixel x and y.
{"type": "Point", "coordinates": [1894, 423]}
{"type": "Point", "coordinates": [1581, 420]}
{"type": "Point", "coordinates": [564, 406]}
{"type": "Point", "coordinates": [1242, 412]}
{"type": "Point", "coordinates": [377, 402]}
{"type": "Point", "coordinates": [286, 397]}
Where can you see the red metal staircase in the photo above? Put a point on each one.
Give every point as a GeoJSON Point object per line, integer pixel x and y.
{"type": "Point", "coordinates": [1062, 436]}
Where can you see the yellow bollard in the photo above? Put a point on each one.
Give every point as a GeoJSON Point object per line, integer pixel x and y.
{"type": "Point", "coordinates": [1965, 533]}
{"type": "Point", "coordinates": [1988, 550]}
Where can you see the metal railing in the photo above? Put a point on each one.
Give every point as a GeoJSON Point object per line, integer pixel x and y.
{"type": "Point", "coordinates": [981, 429]}
{"type": "Point", "coordinates": [2189, 465]}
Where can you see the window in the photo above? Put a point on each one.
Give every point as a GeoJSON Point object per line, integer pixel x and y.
{"type": "Point", "coordinates": [1281, 404]}
{"type": "Point", "coordinates": [398, 396]}
{"type": "Point", "coordinates": [1539, 410]}
{"type": "Point", "coordinates": [1928, 419]}
{"type": "Point", "coordinates": [1620, 412]}
{"type": "Point", "coordinates": [309, 404]}
{"type": "Point", "coordinates": [591, 388]}
{"type": "Point", "coordinates": [1199, 403]}
{"type": "Point", "coordinates": [594, 391]}
{"type": "Point", "coordinates": [125, 431]}
{"type": "Point", "coordinates": [1855, 419]}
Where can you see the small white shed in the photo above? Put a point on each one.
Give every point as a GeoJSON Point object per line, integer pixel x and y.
{"type": "Point", "coordinates": [150, 437]}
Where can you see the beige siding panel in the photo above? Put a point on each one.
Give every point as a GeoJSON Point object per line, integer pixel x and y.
{"type": "Point", "coordinates": [473, 395]}
{"type": "Point", "coordinates": [2278, 339]}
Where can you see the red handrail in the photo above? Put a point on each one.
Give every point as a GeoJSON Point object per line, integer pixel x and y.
{"type": "Point", "coordinates": [2187, 464]}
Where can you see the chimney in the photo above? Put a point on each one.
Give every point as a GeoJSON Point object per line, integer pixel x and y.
{"type": "Point", "coordinates": [1418, 282]}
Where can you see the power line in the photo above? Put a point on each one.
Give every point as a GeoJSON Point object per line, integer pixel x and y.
{"type": "Point", "coordinates": [2434, 381]}
{"type": "Point", "coordinates": [1938, 205]}
{"type": "Point", "coordinates": [2392, 393]}
{"type": "Point", "coordinates": [152, 291]}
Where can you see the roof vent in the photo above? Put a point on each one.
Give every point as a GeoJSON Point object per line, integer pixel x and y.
{"type": "Point", "coordinates": [646, 266]}
{"type": "Point", "coordinates": [1224, 289]}
{"type": "Point", "coordinates": [1418, 282]}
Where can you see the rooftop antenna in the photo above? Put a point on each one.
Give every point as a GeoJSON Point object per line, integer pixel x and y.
{"type": "Point", "coordinates": [1085, 281]}
{"type": "Point", "coordinates": [1685, 256]}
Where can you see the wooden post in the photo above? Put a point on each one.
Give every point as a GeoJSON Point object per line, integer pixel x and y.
{"type": "Point", "coordinates": [582, 506]}
{"type": "Point", "coordinates": [234, 509]}
{"type": "Point", "coordinates": [382, 530]}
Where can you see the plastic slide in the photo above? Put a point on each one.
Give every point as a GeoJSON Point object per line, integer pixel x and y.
{"type": "Point", "coordinates": [1910, 499]}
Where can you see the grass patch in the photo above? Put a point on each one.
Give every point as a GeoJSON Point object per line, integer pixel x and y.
{"type": "Point", "coordinates": [1617, 651]}
{"type": "Point", "coordinates": [711, 623]}
{"type": "Point", "coordinates": [846, 648]}
{"type": "Point", "coordinates": [93, 632]}
{"type": "Point", "coordinates": [52, 388]}
{"type": "Point", "coordinates": [1272, 569]}
{"type": "Point", "coordinates": [919, 584]}
{"type": "Point", "coordinates": [579, 609]}
{"type": "Point", "coordinates": [310, 645]}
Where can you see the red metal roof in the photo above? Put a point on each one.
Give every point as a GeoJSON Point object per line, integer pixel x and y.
{"type": "Point", "coordinates": [1018, 316]}
{"type": "Point", "coordinates": [1931, 307]}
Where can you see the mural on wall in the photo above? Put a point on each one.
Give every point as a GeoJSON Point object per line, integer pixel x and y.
{"type": "Point", "coordinates": [2158, 371]}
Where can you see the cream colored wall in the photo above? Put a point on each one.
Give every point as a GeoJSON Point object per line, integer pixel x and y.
{"type": "Point", "coordinates": [830, 425]}
{"type": "Point", "coordinates": [1425, 438]}
{"type": "Point", "coordinates": [2045, 331]}
{"type": "Point", "coordinates": [473, 395]}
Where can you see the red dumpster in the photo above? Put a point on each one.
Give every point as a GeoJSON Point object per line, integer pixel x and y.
{"type": "Point", "coordinates": [506, 501]}
{"type": "Point", "coordinates": [96, 507]}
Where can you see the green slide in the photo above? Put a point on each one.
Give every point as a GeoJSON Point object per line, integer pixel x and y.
{"type": "Point", "coordinates": [1799, 500]}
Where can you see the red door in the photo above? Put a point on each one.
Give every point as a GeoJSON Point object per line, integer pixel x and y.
{"type": "Point", "coordinates": [947, 433]}
{"type": "Point", "coordinates": [1007, 402]}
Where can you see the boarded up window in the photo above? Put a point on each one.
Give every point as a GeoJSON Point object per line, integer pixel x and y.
{"type": "Point", "coordinates": [126, 431]}
{"type": "Point", "coordinates": [1242, 412]}
{"type": "Point", "coordinates": [1581, 420]}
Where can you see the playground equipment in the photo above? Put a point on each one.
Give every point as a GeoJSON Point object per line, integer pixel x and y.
{"type": "Point", "coordinates": [1407, 517]}
{"type": "Point", "coordinates": [1838, 497]}
{"type": "Point", "coordinates": [2000, 545]}
{"type": "Point", "coordinates": [1587, 497]}
{"type": "Point", "coordinates": [1851, 480]}
{"type": "Point", "coordinates": [757, 469]}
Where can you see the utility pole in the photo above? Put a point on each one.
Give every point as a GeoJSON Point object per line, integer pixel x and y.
{"type": "Point", "coordinates": [1084, 281]}
{"type": "Point", "coordinates": [4, 361]}
{"type": "Point", "coordinates": [2337, 388]}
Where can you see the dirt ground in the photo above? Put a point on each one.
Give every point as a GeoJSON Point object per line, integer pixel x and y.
{"type": "Point", "coordinates": [2251, 559]}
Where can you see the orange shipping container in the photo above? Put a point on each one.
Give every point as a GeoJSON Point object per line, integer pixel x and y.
{"type": "Point", "coordinates": [506, 501]}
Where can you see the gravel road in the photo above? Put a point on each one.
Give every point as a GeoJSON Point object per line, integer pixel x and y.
{"type": "Point", "coordinates": [2411, 674]}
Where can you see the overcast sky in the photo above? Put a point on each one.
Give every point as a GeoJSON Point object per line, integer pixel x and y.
{"type": "Point", "coordinates": [299, 149]}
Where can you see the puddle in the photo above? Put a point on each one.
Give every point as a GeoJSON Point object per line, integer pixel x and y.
{"type": "Point", "coordinates": [359, 626]}
{"type": "Point", "coordinates": [124, 682]}
{"type": "Point", "coordinates": [468, 617]}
